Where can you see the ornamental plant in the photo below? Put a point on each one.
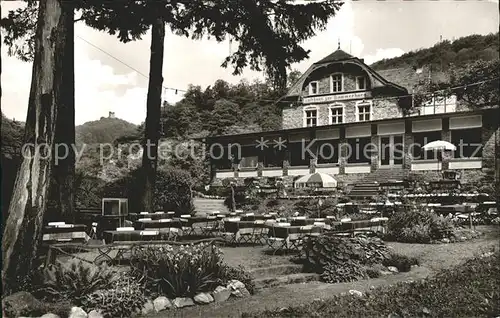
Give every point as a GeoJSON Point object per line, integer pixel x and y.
{"type": "Point", "coordinates": [178, 271]}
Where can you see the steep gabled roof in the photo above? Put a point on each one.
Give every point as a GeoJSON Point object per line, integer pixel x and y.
{"type": "Point", "coordinates": [341, 57]}
{"type": "Point", "coordinates": [338, 55]}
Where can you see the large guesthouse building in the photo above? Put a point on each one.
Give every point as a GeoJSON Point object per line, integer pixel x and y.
{"type": "Point", "coordinates": [347, 120]}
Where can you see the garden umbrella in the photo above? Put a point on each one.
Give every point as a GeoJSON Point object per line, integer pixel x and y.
{"type": "Point", "coordinates": [316, 180]}
{"type": "Point", "coordinates": [439, 145]}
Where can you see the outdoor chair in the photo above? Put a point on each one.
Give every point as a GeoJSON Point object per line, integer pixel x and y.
{"type": "Point", "coordinates": [245, 235]}
{"type": "Point", "coordinates": [259, 232]}
{"type": "Point", "coordinates": [211, 226]}
{"type": "Point", "coordinates": [187, 228]}
{"type": "Point", "coordinates": [277, 238]}
{"type": "Point", "coordinates": [229, 233]}
{"type": "Point", "coordinates": [294, 241]}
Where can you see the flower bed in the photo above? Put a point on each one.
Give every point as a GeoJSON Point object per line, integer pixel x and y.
{"type": "Point", "coordinates": [175, 276]}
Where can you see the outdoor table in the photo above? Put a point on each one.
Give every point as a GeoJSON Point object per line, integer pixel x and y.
{"type": "Point", "coordinates": [157, 224]}
{"type": "Point", "coordinates": [69, 232]}
{"type": "Point", "coordinates": [135, 235]}
{"type": "Point", "coordinates": [65, 229]}
{"type": "Point", "coordinates": [302, 222]}
{"type": "Point", "coordinates": [256, 217]}
{"type": "Point", "coordinates": [153, 216]}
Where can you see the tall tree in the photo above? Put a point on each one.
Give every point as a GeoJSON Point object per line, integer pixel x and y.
{"type": "Point", "coordinates": [153, 114]}
{"type": "Point", "coordinates": [20, 27]}
{"type": "Point", "coordinates": [23, 229]}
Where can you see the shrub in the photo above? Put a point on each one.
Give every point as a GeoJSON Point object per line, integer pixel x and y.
{"type": "Point", "coordinates": [229, 273]}
{"type": "Point", "coordinates": [180, 271]}
{"type": "Point", "coordinates": [344, 259]}
{"type": "Point", "coordinates": [122, 300]}
{"type": "Point", "coordinates": [402, 262]}
{"type": "Point", "coordinates": [418, 226]}
{"type": "Point", "coordinates": [348, 271]}
{"type": "Point", "coordinates": [173, 191]}
{"type": "Point", "coordinates": [73, 280]}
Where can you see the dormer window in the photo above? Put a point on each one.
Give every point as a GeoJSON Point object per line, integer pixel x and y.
{"type": "Point", "coordinates": [360, 83]}
{"type": "Point", "coordinates": [336, 83]}
{"type": "Point", "coordinates": [313, 88]}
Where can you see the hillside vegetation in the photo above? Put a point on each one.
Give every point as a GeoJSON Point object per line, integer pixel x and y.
{"type": "Point", "coordinates": [104, 130]}
{"type": "Point", "coordinates": [447, 53]}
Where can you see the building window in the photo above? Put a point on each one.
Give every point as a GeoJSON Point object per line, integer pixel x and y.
{"type": "Point", "coordinates": [336, 83]}
{"type": "Point", "coordinates": [248, 157]}
{"type": "Point", "coordinates": [221, 158]}
{"type": "Point", "coordinates": [273, 157]}
{"type": "Point", "coordinates": [420, 140]}
{"type": "Point", "coordinates": [364, 110]}
{"type": "Point", "coordinates": [360, 83]}
{"type": "Point", "coordinates": [359, 150]}
{"type": "Point", "coordinates": [336, 114]}
{"type": "Point", "coordinates": [328, 151]}
{"type": "Point", "coordinates": [298, 156]}
{"type": "Point", "coordinates": [313, 88]}
{"type": "Point", "coordinates": [310, 117]}
{"type": "Point", "coordinates": [468, 143]}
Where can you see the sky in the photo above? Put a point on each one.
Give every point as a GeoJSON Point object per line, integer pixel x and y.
{"type": "Point", "coordinates": [112, 81]}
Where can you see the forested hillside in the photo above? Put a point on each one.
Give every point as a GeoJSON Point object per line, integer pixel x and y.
{"type": "Point", "coordinates": [104, 130]}
{"type": "Point", "coordinates": [447, 53]}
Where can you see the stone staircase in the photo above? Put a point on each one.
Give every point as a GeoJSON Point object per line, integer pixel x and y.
{"type": "Point", "coordinates": [203, 206]}
{"type": "Point", "coordinates": [369, 186]}
{"type": "Point", "coordinates": [278, 275]}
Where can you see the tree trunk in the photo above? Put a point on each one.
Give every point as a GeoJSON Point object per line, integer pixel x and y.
{"type": "Point", "coordinates": [152, 126]}
{"type": "Point", "coordinates": [64, 165]}
{"type": "Point", "coordinates": [23, 229]}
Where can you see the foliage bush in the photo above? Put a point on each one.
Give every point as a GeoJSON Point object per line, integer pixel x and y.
{"type": "Point", "coordinates": [402, 262]}
{"type": "Point", "coordinates": [122, 300]}
{"type": "Point", "coordinates": [178, 271]}
{"type": "Point", "coordinates": [73, 280]}
{"type": "Point", "coordinates": [349, 271]}
{"type": "Point", "coordinates": [229, 273]}
{"type": "Point", "coordinates": [418, 226]}
{"type": "Point", "coordinates": [467, 290]}
{"type": "Point", "coordinates": [340, 259]}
